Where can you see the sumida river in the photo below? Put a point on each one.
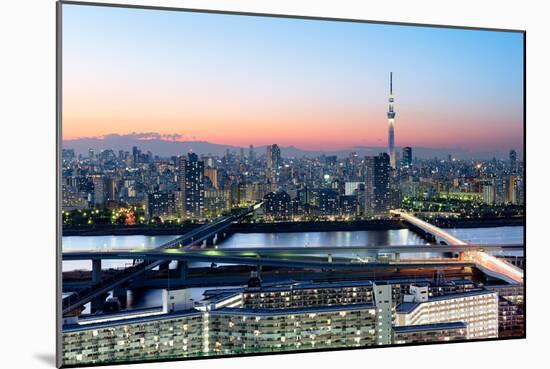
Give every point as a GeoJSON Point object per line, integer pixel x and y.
{"type": "Point", "coordinates": [490, 235]}
{"type": "Point", "coordinates": [151, 298]}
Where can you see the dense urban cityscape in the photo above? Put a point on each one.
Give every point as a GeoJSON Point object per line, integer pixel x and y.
{"type": "Point", "coordinates": [129, 188]}
{"type": "Point", "coordinates": [219, 300]}
{"type": "Point", "coordinates": [241, 185]}
{"type": "Point", "coordinates": [140, 187]}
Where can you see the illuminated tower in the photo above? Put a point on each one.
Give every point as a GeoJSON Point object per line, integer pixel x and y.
{"type": "Point", "coordinates": [391, 119]}
{"type": "Point", "coordinates": [191, 184]}
{"type": "Point", "coordinates": [273, 162]}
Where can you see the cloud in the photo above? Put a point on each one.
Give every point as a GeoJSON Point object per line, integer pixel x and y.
{"type": "Point", "coordinates": [141, 136]}
{"type": "Point", "coordinates": [173, 137]}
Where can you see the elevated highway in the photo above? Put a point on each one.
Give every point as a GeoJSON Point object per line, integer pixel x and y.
{"type": "Point", "coordinates": [298, 261]}
{"type": "Point", "coordinates": [487, 263]}
{"type": "Point", "coordinates": [281, 252]}
{"type": "Point", "coordinates": [183, 249]}
{"type": "Point", "coordinates": [195, 237]}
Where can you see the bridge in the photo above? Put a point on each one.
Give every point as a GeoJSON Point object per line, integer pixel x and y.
{"type": "Point", "coordinates": [205, 234]}
{"type": "Point", "coordinates": [286, 259]}
{"type": "Point", "coordinates": [487, 263]}
{"type": "Point", "coordinates": [333, 258]}
{"type": "Point", "coordinates": [318, 257]}
{"type": "Point", "coordinates": [181, 249]}
{"type": "Point", "coordinates": [281, 252]}
{"type": "Point", "coordinates": [300, 263]}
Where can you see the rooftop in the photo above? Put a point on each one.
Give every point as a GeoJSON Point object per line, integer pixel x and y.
{"type": "Point", "coordinates": [303, 310]}
{"type": "Point", "coordinates": [428, 327]}
{"type": "Point", "coordinates": [230, 311]}
{"type": "Point", "coordinates": [287, 285]}
{"type": "Point", "coordinates": [112, 323]}
{"type": "Point", "coordinates": [407, 307]}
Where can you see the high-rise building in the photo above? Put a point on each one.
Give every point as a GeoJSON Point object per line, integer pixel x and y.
{"type": "Point", "coordinates": [277, 204]}
{"type": "Point", "coordinates": [406, 160]}
{"type": "Point", "coordinates": [251, 153]}
{"type": "Point", "coordinates": [110, 189]}
{"type": "Point", "coordinates": [295, 316]}
{"type": "Point", "coordinates": [98, 181]}
{"type": "Point", "coordinates": [477, 309]}
{"type": "Point", "coordinates": [488, 193]}
{"type": "Point", "coordinates": [216, 201]}
{"type": "Point", "coordinates": [212, 174]}
{"type": "Point", "coordinates": [192, 333]}
{"type": "Point", "coordinates": [377, 184]}
{"type": "Point", "coordinates": [391, 132]}
{"type": "Point", "coordinates": [511, 309]}
{"type": "Point", "coordinates": [347, 205]}
{"type": "Point", "coordinates": [135, 155]}
{"type": "Point", "coordinates": [273, 162]}
{"type": "Point", "coordinates": [328, 202]}
{"type": "Point", "coordinates": [513, 190]}
{"type": "Point", "coordinates": [161, 204]}
{"type": "Point", "coordinates": [360, 199]}
{"type": "Point", "coordinates": [191, 183]}
{"type": "Point", "coordinates": [513, 162]}
{"type": "Point", "coordinates": [500, 184]}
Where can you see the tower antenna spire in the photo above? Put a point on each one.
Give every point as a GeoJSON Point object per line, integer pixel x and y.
{"type": "Point", "coordinates": [391, 129]}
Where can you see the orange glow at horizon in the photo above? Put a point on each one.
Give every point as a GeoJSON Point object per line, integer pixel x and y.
{"type": "Point", "coordinates": [312, 85]}
{"type": "Point", "coordinates": [95, 108]}
{"type": "Point", "coordinates": [320, 132]}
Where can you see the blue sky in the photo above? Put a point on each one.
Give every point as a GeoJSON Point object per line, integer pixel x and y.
{"type": "Point", "coordinates": [198, 74]}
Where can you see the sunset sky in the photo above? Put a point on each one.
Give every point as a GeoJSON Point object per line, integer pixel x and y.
{"type": "Point", "coordinates": [241, 80]}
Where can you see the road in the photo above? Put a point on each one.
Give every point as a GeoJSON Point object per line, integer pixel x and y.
{"type": "Point", "coordinates": [487, 263]}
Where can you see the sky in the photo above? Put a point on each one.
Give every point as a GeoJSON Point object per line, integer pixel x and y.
{"type": "Point", "coordinates": [241, 80]}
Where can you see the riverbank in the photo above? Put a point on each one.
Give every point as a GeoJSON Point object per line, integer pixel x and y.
{"type": "Point", "coordinates": [319, 226]}
{"type": "Point", "coordinates": [328, 226]}
{"type": "Point", "coordinates": [135, 230]}
{"type": "Point", "coordinates": [478, 223]}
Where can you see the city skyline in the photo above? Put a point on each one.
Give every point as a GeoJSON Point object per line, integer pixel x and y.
{"type": "Point", "coordinates": [474, 77]}
{"type": "Point", "coordinates": [237, 185]}
{"type": "Point", "coordinates": [165, 147]}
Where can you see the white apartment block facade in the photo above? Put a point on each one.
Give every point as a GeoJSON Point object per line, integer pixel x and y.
{"type": "Point", "coordinates": [477, 309]}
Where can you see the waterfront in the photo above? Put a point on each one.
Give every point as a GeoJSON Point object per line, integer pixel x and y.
{"type": "Point", "coordinates": [85, 243]}
{"type": "Point", "coordinates": [153, 297]}
{"type": "Point", "coordinates": [333, 238]}
{"type": "Point", "coordinates": [488, 235]}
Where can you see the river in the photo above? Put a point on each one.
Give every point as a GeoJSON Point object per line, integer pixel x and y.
{"type": "Point", "coordinates": [490, 235]}
{"type": "Point", "coordinates": [150, 298]}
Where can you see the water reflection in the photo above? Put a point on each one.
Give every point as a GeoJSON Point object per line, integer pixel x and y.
{"type": "Point", "coordinates": [347, 238]}
{"type": "Point", "coordinates": [84, 243]}
{"type": "Point", "coordinates": [492, 235]}
{"type": "Point", "coordinates": [151, 298]}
